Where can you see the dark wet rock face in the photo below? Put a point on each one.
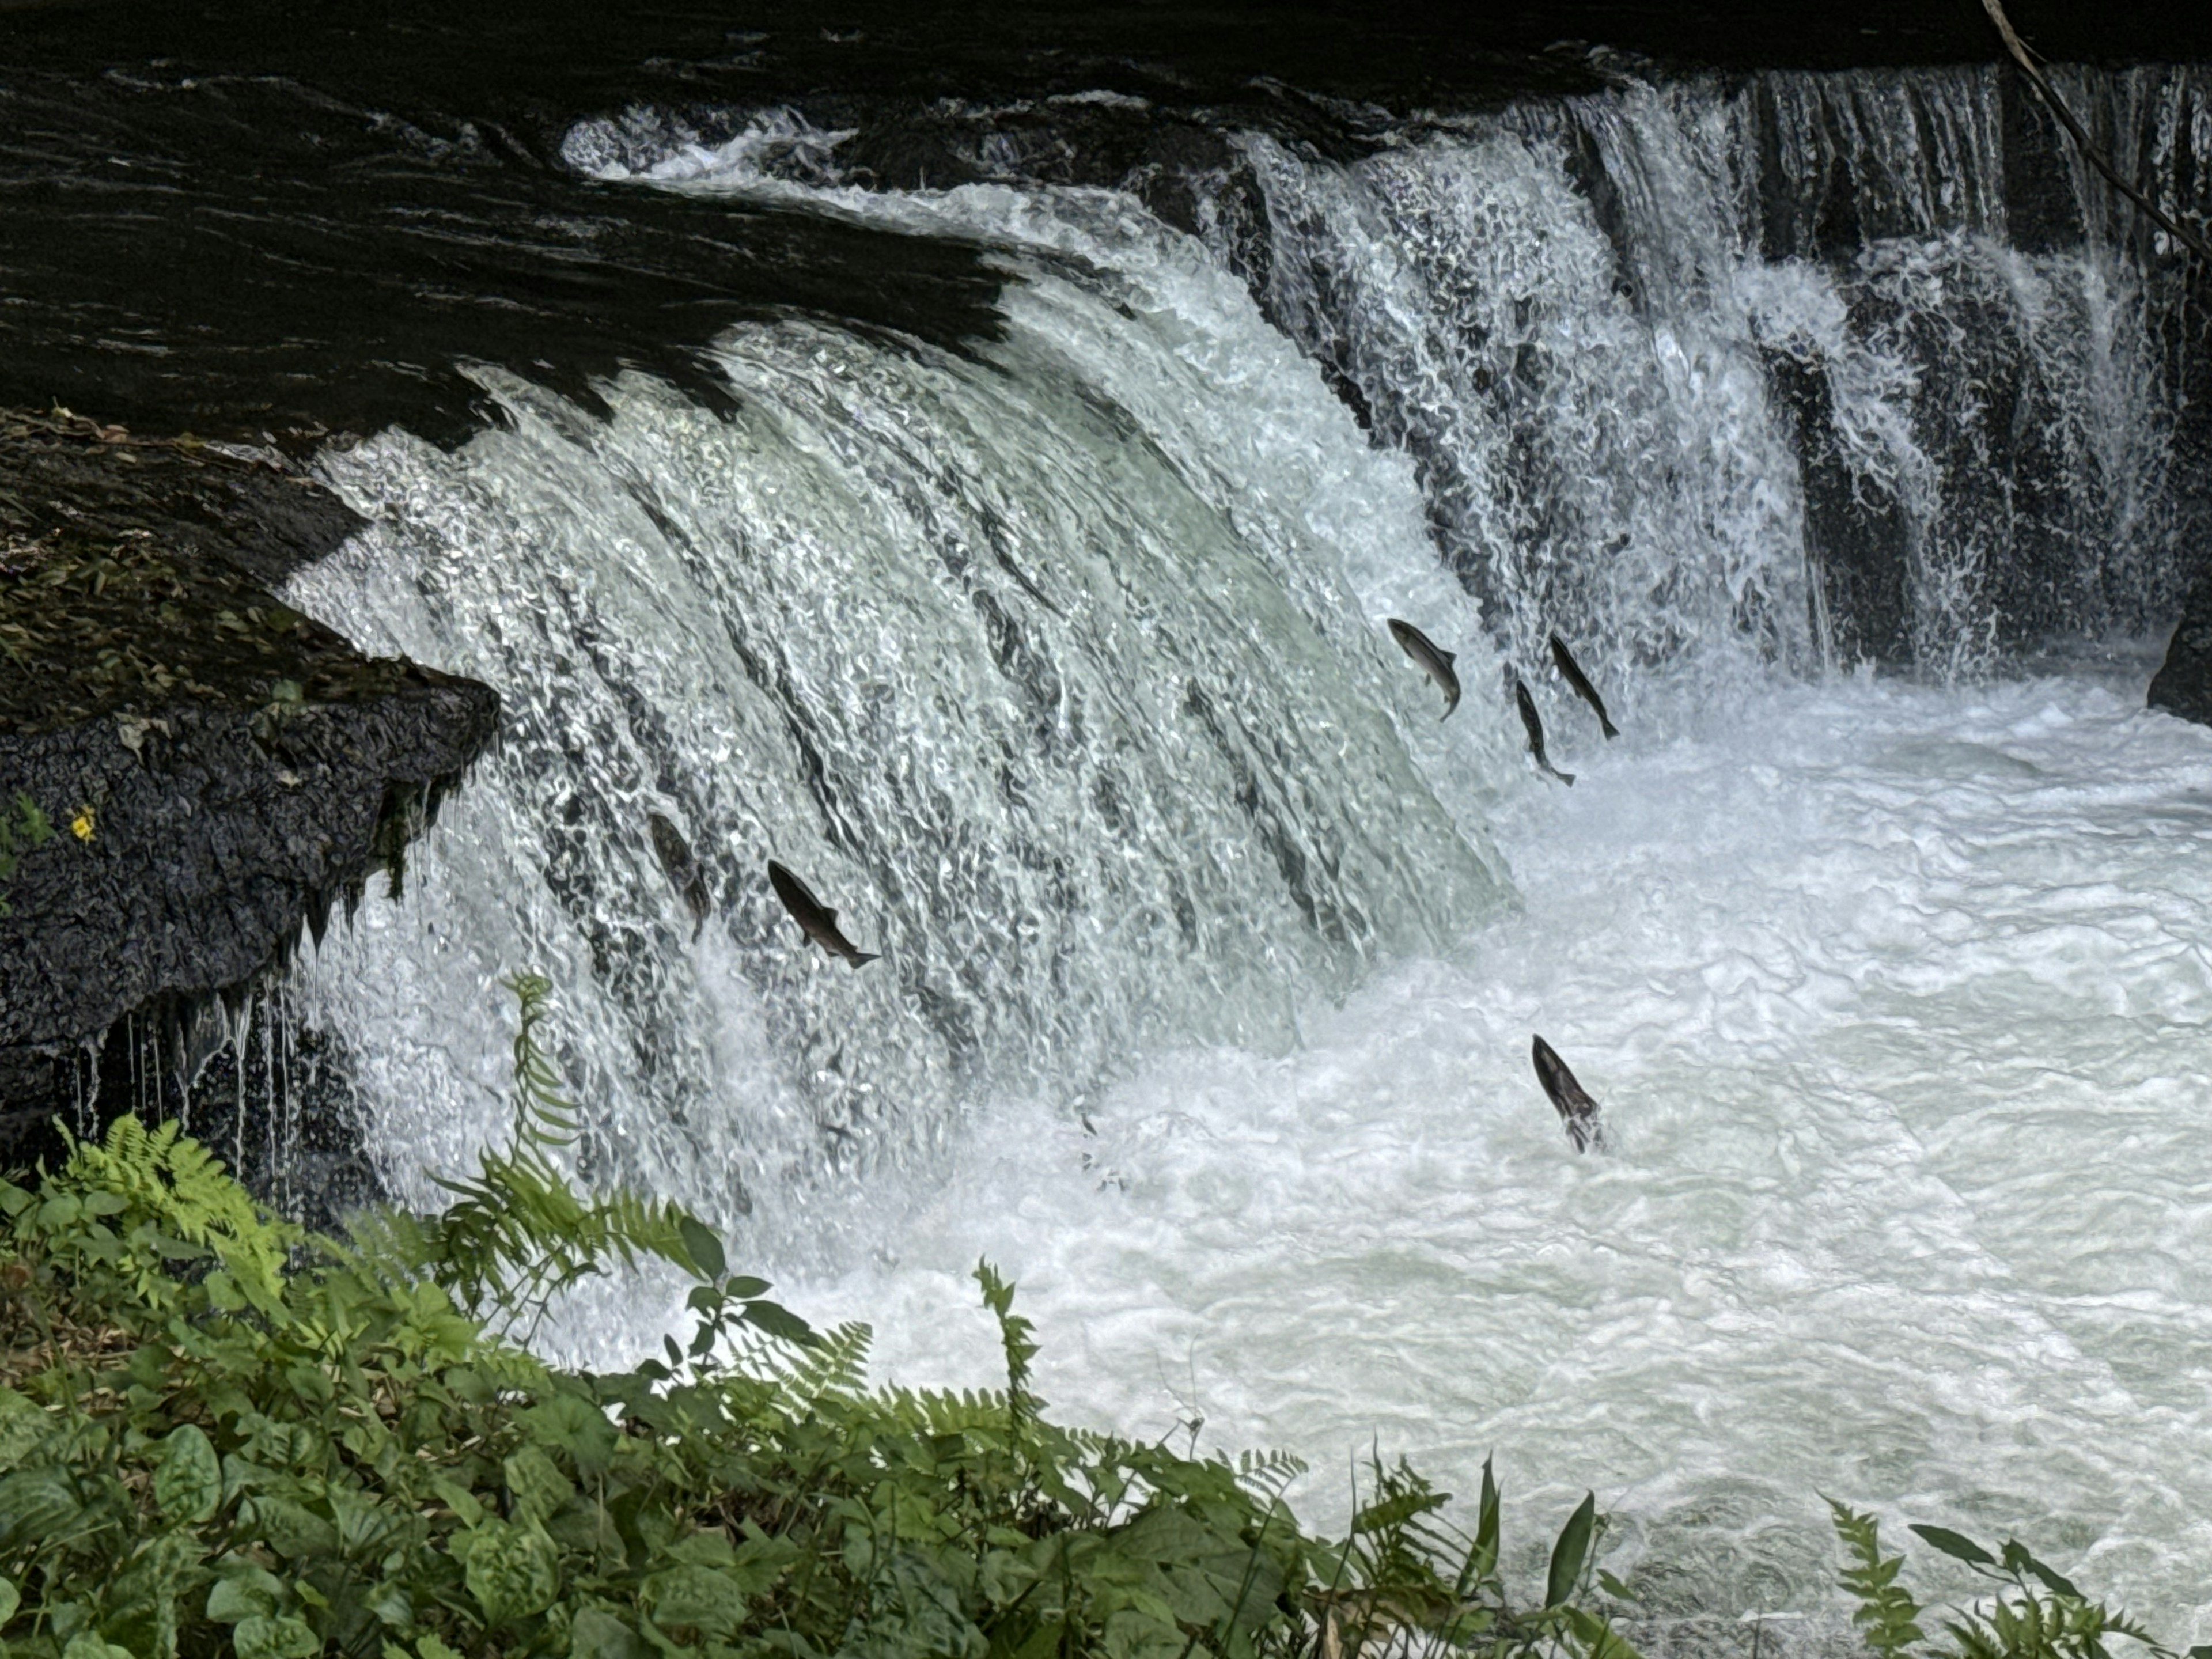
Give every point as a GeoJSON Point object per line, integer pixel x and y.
{"type": "Point", "coordinates": [2183, 685]}
{"type": "Point", "coordinates": [189, 770]}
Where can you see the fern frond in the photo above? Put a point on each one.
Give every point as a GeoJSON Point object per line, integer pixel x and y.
{"type": "Point", "coordinates": [1267, 1474]}
{"type": "Point", "coordinates": [1886, 1610]}
{"type": "Point", "coordinates": [175, 1183]}
{"type": "Point", "coordinates": [516, 1233]}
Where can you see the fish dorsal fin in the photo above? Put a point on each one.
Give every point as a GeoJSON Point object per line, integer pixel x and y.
{"type": "Point", "coordinates": [1448, 656]}
{"type": "Point", "coordinates": [827, 914]}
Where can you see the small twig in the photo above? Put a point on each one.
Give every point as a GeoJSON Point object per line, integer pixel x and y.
{"type": "Point", "coordinates": [2090, 153]}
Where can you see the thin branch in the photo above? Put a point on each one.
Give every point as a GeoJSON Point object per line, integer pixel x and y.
{"type": "Point", "coordinates": [2090, 153]}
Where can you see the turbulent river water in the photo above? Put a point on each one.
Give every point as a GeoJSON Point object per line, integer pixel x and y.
{"type": "Point", "coordinates": [1055, 658]}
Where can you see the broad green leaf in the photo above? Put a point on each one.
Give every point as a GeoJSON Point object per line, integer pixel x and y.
{"type": "Point", "coordinates": [243, 1591]}
{"type": "Point", "coordinates": [1568, 1553]}
{"type": "Point", "coordinates": [704, 1549]}
{"type": "Point", "coordinates": [286, 1637]}
{"type": "Point", "coordinates": [292, 1530]}
{"type": "Point", "coordinates": [780, 1322]}
{"type": "Point", "coordinates": [743, 1287]}
{"type": "Point", "coordinates": [1959, 1549]}
{"type": "Point", "coordinates": [2018, 1560]}
{"type": "Point", "coordinates": [513, 1572]}
{"type": "Point", "coordinates": [540, 1490]}
{"type": "Point", "coordinates": [86, 1645]}
{"type": "Point", "coordinates": [703, 1246]}
{"type": "Point", "coordinates": [575, 1426]}
{"type": "Point", "coordinates": [597, 1635]}
{"type": "Point", "coordinates": [10, 1598]}
{"type": "Point", "coordinates": [22, 1427]}
{"type": "Point", "coordinates": [701, 1597]}
{"type": "Point", "coordinates": [188, 1484]}
{"type": "Point", "coordinates": [460, 1499]}
{"type": "Point", "coordinates": [1600, 1638]}
{"type": "Point", "coordinates": [393, 1607]}
{"type": "Point", "coordinates": [36, 1505]}
{"type": "Point", "coordinates": [365, 1526]}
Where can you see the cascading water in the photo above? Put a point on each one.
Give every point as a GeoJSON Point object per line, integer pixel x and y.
{"type": "Point", "coordinates": [1641, 401]}
{"type": "Point", "coordinates": [1057, 664]}
{"type": "Point", "coordinates": [1059, 667]}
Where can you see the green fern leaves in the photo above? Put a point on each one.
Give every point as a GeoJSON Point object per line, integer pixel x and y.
{"type": "Point", "coordinates": [2047, 1618]}
{"type": "Point", "coordinates": [1886, 1611]}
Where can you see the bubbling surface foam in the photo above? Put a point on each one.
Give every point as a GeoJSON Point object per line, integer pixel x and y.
{"type": "Point", "coordinates": [1895, 1000]}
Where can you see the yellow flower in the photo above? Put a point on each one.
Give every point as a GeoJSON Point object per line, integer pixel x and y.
{"type": "Point", "coordinates": [80, 825]}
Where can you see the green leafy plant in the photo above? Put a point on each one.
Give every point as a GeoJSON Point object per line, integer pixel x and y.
{"type": "Point", "coordinates": [220, 1435]}
{"type": "Point", "coordinates": [2035, 1614]}
{"type": "Point", "coordinates": [518, 1233]}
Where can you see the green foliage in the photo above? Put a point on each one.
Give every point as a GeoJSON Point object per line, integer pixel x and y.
{"type": "Point", "coordinates": [516, 1234]}
{"type": "Point", "coordinates": [220, 1436]}
{"type": "Point", "coordinates": [2047, 1618]}
{"type": "Point", "coordinates": [22, 827]}
{"type": "Point", "coordinates": [1886, 1611]}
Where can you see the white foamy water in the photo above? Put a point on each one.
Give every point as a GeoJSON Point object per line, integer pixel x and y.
{"type": "Point", "coordinates": [1896, 1002]}
{"type": "Point", "coordinates": [1060, 661]}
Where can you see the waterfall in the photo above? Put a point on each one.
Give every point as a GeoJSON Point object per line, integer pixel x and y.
{"type": "Point", "coordinates": [1807, 407]}
{"type": "Point", "coordinates": [1761, 363]}
{"type": "Point", "coordinates": [1058, 667]}
{"type": "Point", "coordinates": [1057, 662]}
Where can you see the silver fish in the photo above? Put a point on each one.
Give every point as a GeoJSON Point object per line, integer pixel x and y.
{"type": "Point", "coordinates": [683, 870]}
{"type": "Point", "coordinates": [1436, 663]}
{"type": "Point", "coordinates": [815, 920]}
{"type": "Point", "coordinates": [1535, 726]}
{"type": "Point", "coordinates": [1580, 681]}
{"type": "Point", "coordinates": [1575, 1108]}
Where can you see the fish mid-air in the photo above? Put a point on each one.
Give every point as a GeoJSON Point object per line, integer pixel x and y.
{"type": "Point", "coordinates": [1577, 1110]}
{"type": "Point", "coordinates": [1575, 677]}
{"type": "Point", "coordinates": [1435, 663]}
{"type": "Point", "coordinates": [817, 920]}
{"type": "Point", "coordinates": [1535, 726]}
{"type": "Point", "coordinates": [683, 871]}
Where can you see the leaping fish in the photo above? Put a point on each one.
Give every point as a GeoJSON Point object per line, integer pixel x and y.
{"type": "Point", "coordinates": [815, 920]}
{"type": "Point", "coordinates": [1436, 663]}
{"type": "Point", "coordinates": [1575, 1108]}
{"type": "Point", "coordinates": [683, 870]}
{"type": "Point", "coordinates": [1575, 677]}
{"type": "Point", "coordinates": [1536, 727]}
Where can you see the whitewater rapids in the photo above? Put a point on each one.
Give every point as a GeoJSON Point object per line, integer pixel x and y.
{"type": "Point", "coordinates": [1893, 995]}
{"type": "Point", "coordinates": [1895, 999]}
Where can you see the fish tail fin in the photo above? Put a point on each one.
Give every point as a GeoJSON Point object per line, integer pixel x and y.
{"type": "Point", "coordinates": [1567, 778]}
{"type": "Point", "coordinates": [1611, 731]}
{"type": "Point", "coordinates": [1450, 703]}
{"type": "Point", "coordinates": [862, 958]}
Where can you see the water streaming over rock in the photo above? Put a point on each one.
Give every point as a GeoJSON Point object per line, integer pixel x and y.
{"type": "Point", "coordinates": [1058, 667]}
{"type": "Point", "coordinates": [1057, 662]}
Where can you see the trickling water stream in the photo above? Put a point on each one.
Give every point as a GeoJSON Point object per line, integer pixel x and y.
{"type": "Point", "coordinates": [1057, 662]}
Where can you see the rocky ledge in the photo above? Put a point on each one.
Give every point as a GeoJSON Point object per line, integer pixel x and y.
{"type": "Point", "coordinates": [2183, 684]}
{"type": "Point", "coordinates": [189, 770]}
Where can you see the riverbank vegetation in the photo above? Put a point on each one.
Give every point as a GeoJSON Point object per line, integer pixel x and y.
{"type": "Point", "coordinates": [220, 1434]}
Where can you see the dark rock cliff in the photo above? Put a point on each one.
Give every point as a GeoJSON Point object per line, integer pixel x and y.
{"type": "Point", "coordinates": [189, 770]}
{"type": "Point", "coordinates": [2183, 684]}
